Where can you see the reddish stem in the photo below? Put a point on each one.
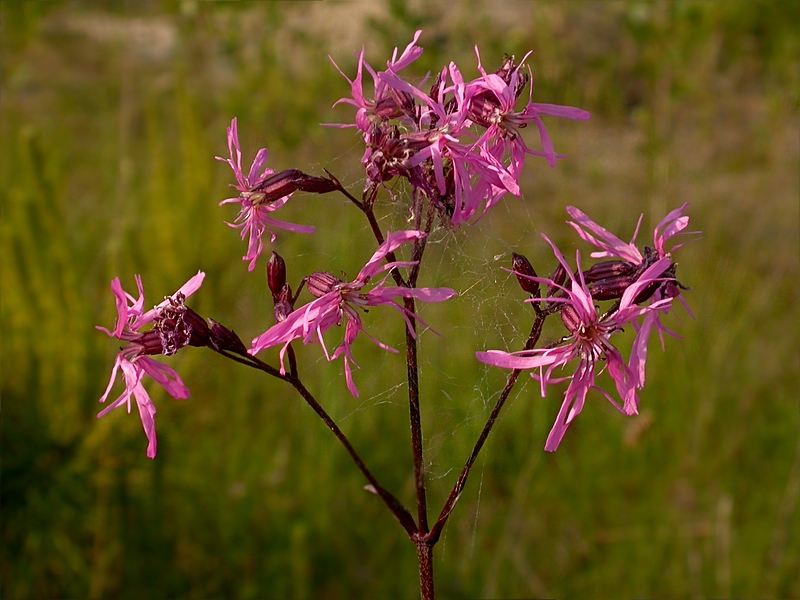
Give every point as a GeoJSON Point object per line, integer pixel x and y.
{"type": "Point", "coordinates": [425, 558]}
{"type": "Point", "coordinates": [449, 505]}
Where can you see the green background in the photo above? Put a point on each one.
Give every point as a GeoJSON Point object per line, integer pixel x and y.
{"type": "Point", "coordinates": [112, 114]}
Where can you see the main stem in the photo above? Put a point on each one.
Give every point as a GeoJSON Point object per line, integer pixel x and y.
{"type": "Point", "coordinates": [421, 539]}
{"type": "Point", "coordinates": [425, 558]}
{"type": "Point", "coordinates": [416, 423]}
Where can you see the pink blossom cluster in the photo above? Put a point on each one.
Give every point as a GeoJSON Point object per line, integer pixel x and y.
{"type": "Point", "coordinates": [460, 146]}
{"type": "Point", "coordinates": [460, 141]}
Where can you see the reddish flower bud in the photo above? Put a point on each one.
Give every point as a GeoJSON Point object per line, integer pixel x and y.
{"type": "Point", "coordinates": [276, 274]}
{"type": "Point", "coordinates": [223, 338]}
{"type": "Point", "coordinates": [611, 288]}
{"type": "Point", "coordinates": [276, 186]}
{"type": "Point", "coordinates": [523, 270]}
{"type": "Point", "coordinates": [558, 277]}
{"type": "Point", "coordinates": [570, 318]}
{"type": "Point", "coordinates": [316, 185]}
{"type": "Point", "coordinates": [606, 269]}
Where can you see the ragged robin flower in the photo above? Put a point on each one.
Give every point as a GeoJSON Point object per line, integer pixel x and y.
{"type": "Point", "coordinates": [174, 326]}
{"type": "Point", "coordinates": [456, 140]}
{"type": "Point", "coordinates": [337, 300]}
{"type": "Point", "coordinates": [588, 342]}
{"type": "Point", "coordinates": [492, 104]}
{"type": "Point", "coordinates": [627, 263]}
{"type": "Point", "coordinates": [261, 192]}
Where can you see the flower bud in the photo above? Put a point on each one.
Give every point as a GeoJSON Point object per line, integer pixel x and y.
{"type": "Point", "coordinates": [570, 318]}
{"type": "Point", "coordinates": [523, 270]}
{"type": "Point", "coordinates": [276, 186]}
{"type": "Point", "coordinates": [276, 274]}
{"type": "Point", "coordinates": [609, 279]}
{"type": "Point", "coordinates": [223, 338]}
{"type": "Point", "coordinates": [283, 304]}
{"type": "Point", "coordinates": [610, 288]}
{"type": "Point", "coordinates": [316, 185]}
{"type": "Point", "coordinates": [558, 277]}
{"type": "Point", "coordinates": [606, 269]}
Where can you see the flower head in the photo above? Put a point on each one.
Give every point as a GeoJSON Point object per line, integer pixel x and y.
{"type": "Point", "coordinates": [459, 142]}
{"type": "Point", "coordinates": [493, 101]}
{"type": "Point", "coordinates": [337, 300]}
{"type": "Point", "coordinates": [385, 102]}
{"type": "Point", "coordinates": [588, 343]}
{"type": "Point", "coordinates": [261, 192]}
{"type": "Point", "coordinates": [631, 263]}
{"type": "Point", "coordinates": [175, 326]}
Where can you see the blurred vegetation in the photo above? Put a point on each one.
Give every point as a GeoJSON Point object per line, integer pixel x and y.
{"type": "Point", "coordinates": [111, 116]}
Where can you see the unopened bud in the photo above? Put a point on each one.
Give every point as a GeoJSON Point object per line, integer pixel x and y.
{"type": "Point", "coordinates": [277, 186]}
{"type": "Point", "coordinates": [611, 288]}
{"type": "Point", "coordinates": [316, 185]}
{"type": "Point", "coordinates": [223, 338]}
{"type": "Point", "coordinates": [283, 304]}
{"type": "Point", "coordinates": [523, 270]}
{"type": "Point", "coordinates": [609, 279]}
{"type": "Point", "coordinates": [558, 278]}
{"type": "Point", "coordinates": [276, 274]}
{"type": "Point", "coordinates": [606, 269]}
{"type": "Point", "coordinates": [570, 318]}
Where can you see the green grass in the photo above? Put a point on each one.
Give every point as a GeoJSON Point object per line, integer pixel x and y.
{"type": "Point", "coordinates": [108, 144]}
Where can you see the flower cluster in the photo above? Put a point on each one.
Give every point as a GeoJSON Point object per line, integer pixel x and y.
{"type": "Point", "coordinates": [460, 142]}
{"type": "Point", "coordinates": [642, 286]}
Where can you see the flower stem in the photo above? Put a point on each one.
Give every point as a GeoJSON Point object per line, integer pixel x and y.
{"type": "Point", "coordinates": [425, 558]}
{"type": "Point", "coordinates": [449, 505]}
{"type": "Point", "coordinates": [394, 505]}
{"type": "Point", "coordinates": [416, 422]}
{"type": "Point", "coordinates": [399, 511]}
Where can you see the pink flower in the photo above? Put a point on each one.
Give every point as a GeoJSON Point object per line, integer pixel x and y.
{"type": "Point", "coordinates": [261, 192]}
{"type": "Point", "coordinates": [381, 105]}
{"type": "Point", "coordinates": [336, 299]}
{"type": "Point", "coordinates": [670, 226]}
{"type": "Point", "coordinates": [588, 342]}
{"type": "Point", "coordinates": [168, 336]}
{"type": "Point", "coordinates": [493, 101]}
{"type": "Point", "coordinates": [479, 176]}
{"type": "Point", "coordinates": [459, 143]}
{"type": "Point", "coordinates": [611, 246]}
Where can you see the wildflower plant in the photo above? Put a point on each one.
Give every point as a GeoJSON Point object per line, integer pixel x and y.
{"type": "Point", "coordinates": [450, 148]}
